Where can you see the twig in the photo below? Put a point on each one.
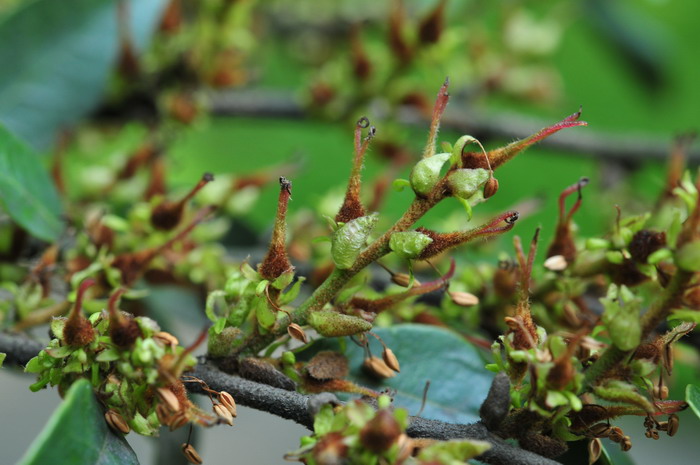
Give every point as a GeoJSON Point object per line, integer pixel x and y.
{"type": "Point", "coordinates": [294, 406]}
{"type": "Point", "coordinates": [628, 148]}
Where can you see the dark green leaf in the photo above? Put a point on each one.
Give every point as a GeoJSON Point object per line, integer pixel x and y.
{"type": "Point", "coordinates": [26, 190]}
{"type": "Point", "coordinates": [61, 54]}
{"type": "Point", "coordinates": [458, 380]}
{"type": "Point", "coordinates": [77, 434]}
{"type": "Point", "coordinates": [692, 396]}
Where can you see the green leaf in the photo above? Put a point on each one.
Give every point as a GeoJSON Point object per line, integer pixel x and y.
{"type": "Point", "coordinates": [688, 257]}
{"type": "Point", "coordinates": [77, 434]}
{"type": "Point", "coordinates": [458, 380]}
{"type": "Point", "coordinates": [61, 55]}
{"type": "Point", "coordinates": [349, 240]}
{"type": "Point", "coordinates": [426, 173]}
{"type": "Point", "coordinates": [2, 358]}
{"type": "Point", "coordinates": [26, 190]}
{"type": "Point", "coordinates": [692, 396]}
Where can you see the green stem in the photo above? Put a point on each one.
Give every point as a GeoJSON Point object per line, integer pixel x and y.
{"type": "Point", "coordinates": [658, 312]}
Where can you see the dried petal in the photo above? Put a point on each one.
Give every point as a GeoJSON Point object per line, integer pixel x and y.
{"type": "Point", "coordinates": [295, 331]}
{"type": "Point", "coordinates": [227, 401]}
{"type": "Point", "coordinates": [556, 263]}
{"type": "Point", "coordinates": [191, 454]}
{"type": "Point", "coordinates": [464, 299]}
{"type": "Point", "coordinates": [377, 367]}
{"type": "Point", "coordinates": [391, 360]}
{"type": "Point", "coordinates": [223, 413]}
{"type": "Point", "coordinates": [169, 399]}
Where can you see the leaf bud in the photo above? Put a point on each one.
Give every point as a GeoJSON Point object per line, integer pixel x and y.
{"type": "Point", "coordinates": [227, 401]}
{"type": "Point", "coordinates": [116, 421]}
{"type": "Point", "coordinates": [377, 367]}
{"type": "Point", "coordinates": [390, 359]}
{"type": "Point", "coordinates": [426, 173]}
{"type": "Point", "coordinates": [409, 244]}
{"type": "Point", "coordinates": [191, 454]}
{"type": "Point", "coordinates": [464, 183]}
{"type": "Point", "coordinates": [349, 240]}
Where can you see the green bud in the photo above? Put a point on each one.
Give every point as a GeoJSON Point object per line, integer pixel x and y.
{"type": "Point", "coordinates": [615, 257]}
{"type": "Point", "coordinates": [57, 325]}
{"type": "Point", "coordinates": [349, 240]}
{"type": "Point", "coordinates": [260, 288]}
{"type": "Point", "coordinates": [221, 345]}
{"type": "Point", "coordinates": [409, 244]}
{"type": "Point", "coordinates": [660, 255]}
{"type": "Point", "coordinates": [289, 358]}
{"type": "Point", "coordinates": [621, 317]}
{"type": "Point", "coordinates": [595, 243]}
{"type": "Point", "coordinates": [426, 173]}
{"type": "Point", "coordinates": [333, 324]}
{"type": "Point", "coordinates": [141, 425]}
{"type": "Point", "coordinates": [688, 257]}
{"type": "Point", "coordinates": [464, 183]}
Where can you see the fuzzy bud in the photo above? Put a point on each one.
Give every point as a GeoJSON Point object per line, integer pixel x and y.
{"type": "Point", "coordinates": [167, 215]}
{"type": "Point", "coordinates": [78, 331]}
{"type": "Point", "coordinates": [333, 324]}
{"type": "Point", "coordinates": [276, 261]}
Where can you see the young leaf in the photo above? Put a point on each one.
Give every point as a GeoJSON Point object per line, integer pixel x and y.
{"type": "Point", "coordinates": [692, 396]}
{"type": "Point", "coordinates": [26, 191]}
{"type": "Point", "coordinates": [77, 434]}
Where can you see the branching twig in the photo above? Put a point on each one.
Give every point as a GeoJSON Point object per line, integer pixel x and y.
{"type": "Point", "coordinates": [294, 406]}
{"type": "Point", "coordinates": [628, 148]}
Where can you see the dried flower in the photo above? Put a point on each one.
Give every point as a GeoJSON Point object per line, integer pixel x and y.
{"type": "Point", "coordinates": [191, 454]}
{"type": "Point", "coordinates": [116, 421]}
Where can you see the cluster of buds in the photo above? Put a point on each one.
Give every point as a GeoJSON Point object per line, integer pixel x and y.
{"type": "Point", "coordinates": [357, 433]}
{"type": "Point", "coordinates": [134, 367]}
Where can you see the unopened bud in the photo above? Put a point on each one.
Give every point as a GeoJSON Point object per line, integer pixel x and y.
{"type": "Point", "coordinates": [227, 401]}
{"type": "Point", "coordinates": [191, 454]}
{"type": "Point", "coordinates": [223, 413]}
{"type": "Point", "coordinates": [377, 367]}
{"type": "Point", "coordinates": [403, 280]}
{"type": "Point", "coordinates": [169, 399]}
{"type": "Point", "coordinates": [295, 331]}
{"type": "Point", "coordinates": [595, 448]}
{"type": "Point", "coordinates": [116, 421]}
{"type": "Point", "coordinates": [491, 187]}
{"type": "Point", "coordinates": [556, 263]}
{"type": "Point", "coordinates": [464, 299]}
{"type": "Point", "coordinates": [673, 423]}
{"type": "Point", "coordinates": [390, 360]}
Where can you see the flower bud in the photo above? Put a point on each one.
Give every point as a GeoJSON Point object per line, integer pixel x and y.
{"type": "Point", "coordinates": [595, 448]}
{"type": "Point", "coordinates": [169, 399]}
{"type": "Point", "coordinates": [464, 299]}
{"type": "Point", "coordinates": [377, 367]}
{"type": "Point", "coordinates": [295, 331]}
{"type": "Point", "coordinates": [556, 263]}
{"type": "Point", "coordinates": [191, 454]}
{"type": "Point", "coordinates": [381, 432]}
{"type": "Point", "coordinates": [673, 423]}
{"type": "Point", "coordinates": [491, 187]}
{"type": "Point", "coordinates": [227, 401]}
{"type": "Point", "coordinates": [116, 421]}
{"type": "Point", "coordinates": [223, 413]}
{"type": "Point", "coordinates": [390, 360]}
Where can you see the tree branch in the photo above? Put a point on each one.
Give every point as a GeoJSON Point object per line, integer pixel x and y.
{"type": "Point", "coordinates": [629, 148]}
{"type": "Point", "coordinates": [297, 407]}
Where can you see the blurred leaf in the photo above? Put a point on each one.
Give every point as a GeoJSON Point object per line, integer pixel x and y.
{"type": "Point", "coordinates": [27, 192]}
{"type": "Point", "coordinates": [692, 396]}
{"type": "Point", "coordinates": [61, 54]}
{"type": "Point", "coordinates": [77, 434]}
{"type": "Point", "coordinates": [458, 380]}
